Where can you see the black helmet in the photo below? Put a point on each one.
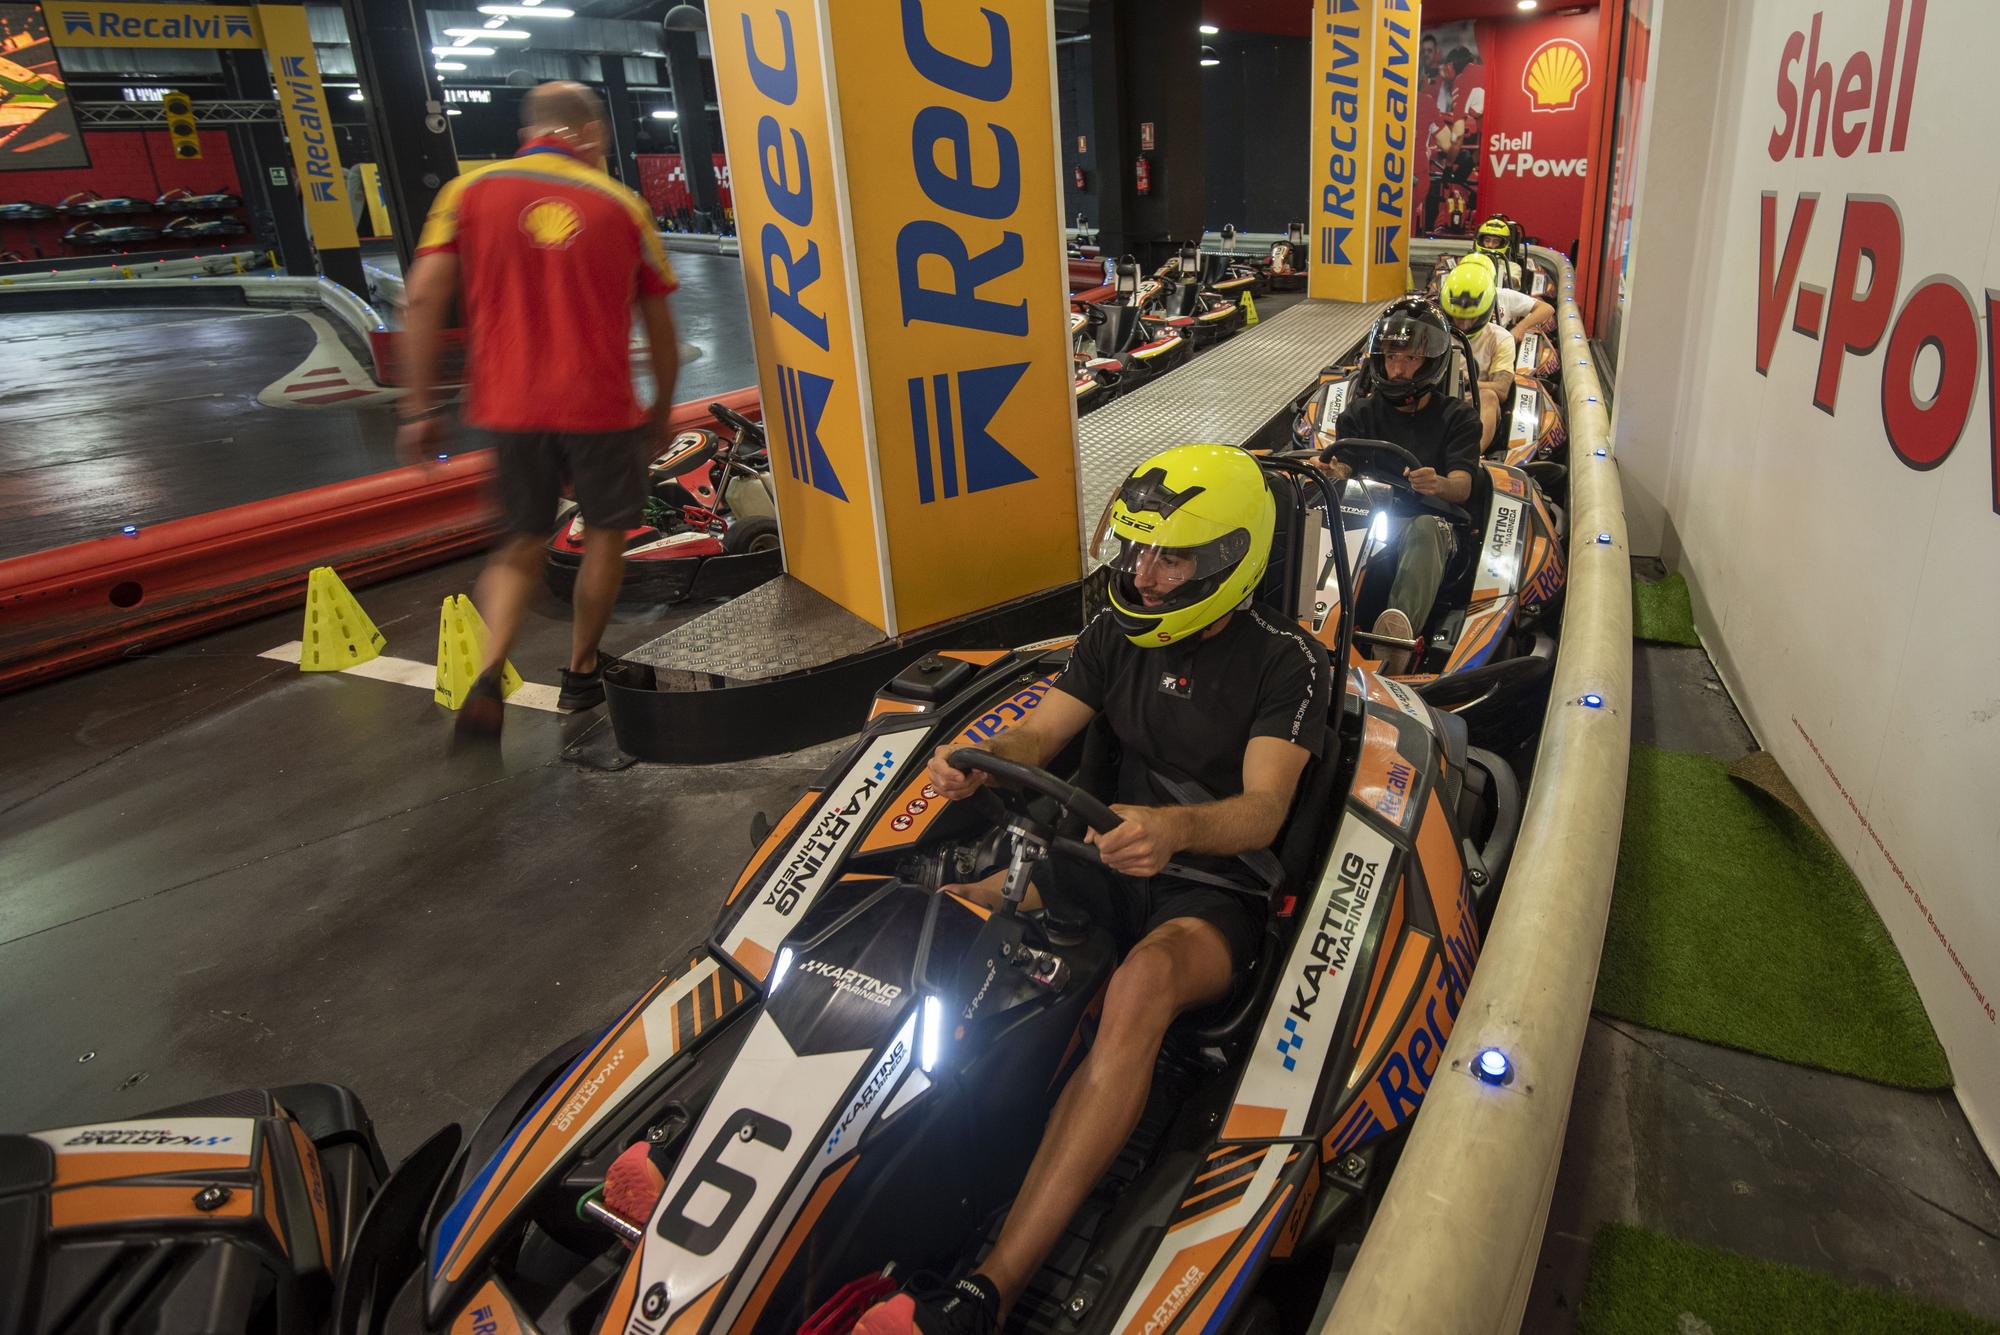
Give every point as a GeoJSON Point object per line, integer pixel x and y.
{"type": "Point", "coordinates": [1409, 324]}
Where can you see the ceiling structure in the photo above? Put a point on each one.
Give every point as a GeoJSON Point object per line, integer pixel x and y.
{"type": "Point", "coordinates": [1293, 18]}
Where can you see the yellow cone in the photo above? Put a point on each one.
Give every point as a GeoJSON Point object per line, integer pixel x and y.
{"type": "Point", "coordinates": [461, 649]}
{"type": "Point", "coordinates": [337, 634]}
{"type": "Point", "coordinates": [1249, 309]}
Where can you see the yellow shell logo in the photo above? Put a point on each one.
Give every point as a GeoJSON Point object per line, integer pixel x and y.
{"type": "Point", "coordinates": [551, 223]}
{"type": "Point", "coordinates": [1557, 74]}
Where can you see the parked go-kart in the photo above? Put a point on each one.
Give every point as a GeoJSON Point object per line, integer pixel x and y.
{"type": "Point", "coordinates": [26, 210]}
{"type": "Point", "coordinates": [98, 234]}
{"type": "Point", "coordinates": [856, 1069]}
{"type": "Point", "coordinates": [1286, 269]}
{"type": "Point", "coordinates": [1191, 289]}
{"type": "Point", "coordinates": [1118, 348]}
{"type": "Point", "coordinates": [202, 229]}
{"type": "Point", "coordinates": [183, 200]}
{"type": "Point", "coordinates": [90, 204]}
{"type": "Point", "coordinates": [710, 528]}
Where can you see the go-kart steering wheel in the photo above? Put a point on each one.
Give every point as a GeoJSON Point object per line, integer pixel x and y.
{"type": "Point", "coordinates": [735, 421]}
{"type": "Point", "coordinates": [1365, 449]}
{"type": "Point", "coordinates": [1018, 776]}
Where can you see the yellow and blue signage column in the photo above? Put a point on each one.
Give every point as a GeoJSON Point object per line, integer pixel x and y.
{"type": "Point", "coordinates": [1365, 84]}
{"type": "Point", "coordinates": [898, 201]}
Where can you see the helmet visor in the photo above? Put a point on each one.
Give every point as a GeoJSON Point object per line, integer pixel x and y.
{"type": "Point", "coordinates": [1492, 241]}
{"type": "Point", "coordinates": [1156, 578]}
{"type": "Point", "coordinates": [1402, 332]}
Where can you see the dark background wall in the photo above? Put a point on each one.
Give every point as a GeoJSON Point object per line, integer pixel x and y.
{"type": "Point", "coordinates": [1257, 115]}
{"type": "Point", "coordinates": [1073, 104]}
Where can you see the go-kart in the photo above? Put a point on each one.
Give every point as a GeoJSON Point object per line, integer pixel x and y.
{"type": "Point", "coordinates": [854, 1071]}
{"type": "Point", "coordinates": [183, 200]}
{"type": "Point", "coordinates": [202, 229]}
{"type": "Point", "coordinates": [90, 204]}
{"type": "Point", "coordinates": [1486, 651]}
{"type": "Point", "coordinates": [710, 525]}
{"type": "Point", "coordinates": [1119, 349]}
{"type": "Point", "coordinates": [1285, 270]}
{"type": "Point", "coordinates": [26, 210]}
{"type": "Point", "coordinates": [1192, 287]}
{"type": "Point", "coordinates": [230, 1214]}
{"type": "Point", "coordinates": [98, 234]}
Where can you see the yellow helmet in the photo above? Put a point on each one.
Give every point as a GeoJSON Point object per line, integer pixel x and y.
{"type": "Point", "coordinates": [1468, 290]}
{"type": "Point", "coordinates": [1495, 235]}
{"type": "Point", "coordinates": [1194, 524]}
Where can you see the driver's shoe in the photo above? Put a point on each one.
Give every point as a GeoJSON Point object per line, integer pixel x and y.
{"type": "Point", "coordinates": [1396, 626]}
{"type": "Point", "coordinates": [969, 1307]}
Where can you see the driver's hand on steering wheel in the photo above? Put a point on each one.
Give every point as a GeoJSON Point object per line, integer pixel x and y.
{"type": "Point", "coordinates": [956, 784]}
{"type": "Point", "coordinates": [1142, 845]}
{"type": "Point", "coordinates": [1335, 469]}
{"type": "Point", "coordinates": [1425, 481]}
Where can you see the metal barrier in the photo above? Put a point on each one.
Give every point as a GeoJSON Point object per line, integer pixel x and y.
{"type": "Point", "coordinates": [1453, 1248]}
{"type": "Point", "coordinates": [257, 288]}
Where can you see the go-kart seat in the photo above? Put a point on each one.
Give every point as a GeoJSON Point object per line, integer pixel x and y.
{"type": "Point", "coordinates": [1117, 332]}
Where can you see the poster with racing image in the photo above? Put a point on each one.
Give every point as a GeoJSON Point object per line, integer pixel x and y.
{"type": "Point", "coordinates": [38, 130]}
{"type": "Point", "coordinates": [1451, 107]}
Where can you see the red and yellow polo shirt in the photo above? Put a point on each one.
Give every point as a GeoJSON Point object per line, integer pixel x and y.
{"type": "Point", "coordinates": [552, 253]}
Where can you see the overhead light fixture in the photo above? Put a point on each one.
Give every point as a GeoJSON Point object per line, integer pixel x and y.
{"type": "Point", "coordinates": [651, 55]}
{"type": "Point", "coordinates": [461, 50]}
{"type": "Point", "coordinates": [666, 114]}
{"type": "Point", "coordinates": [684, 18]}
{"type": "Point", "coordinates": [1208, 56]}
{"type": "Point", "coordinates": [453, 111]}
{"type": "Point", "coordinates": [528, 11]}
{"type": "Point", "coordinates": [356, 96]}
{"type": "Point", "coordinates": [487, 34]}
{"type": "Point", "coordinates": [1525, 4]}
{"type": "Point", "coordinates": [491, 24]}
{"type": "Point", "coordinates": [1209, 30]}
{"type": "Point", "coordinates": [449, 65]}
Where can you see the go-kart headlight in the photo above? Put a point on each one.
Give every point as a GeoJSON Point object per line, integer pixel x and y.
{"type": "Point", "coordinates": [930, 1035]}
{"type": "Point", "coordinates": [779, 970]}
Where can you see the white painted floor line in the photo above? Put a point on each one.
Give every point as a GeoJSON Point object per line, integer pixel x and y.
{"type": "Point", "coordinates": [423, 676]}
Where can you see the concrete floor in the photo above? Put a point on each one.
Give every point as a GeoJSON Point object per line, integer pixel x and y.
{"type": "Point", "coordinates": [1877, 1186]}
{"type": "Point", "coordinates": [223, 872]}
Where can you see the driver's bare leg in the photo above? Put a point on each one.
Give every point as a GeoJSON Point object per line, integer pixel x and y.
{"type": "Point", "coordinates": [1181, 964]}
{"type": "Point", "coordinates": [505, 586]}
{"type": "Point", "coordinates": [596, 594]}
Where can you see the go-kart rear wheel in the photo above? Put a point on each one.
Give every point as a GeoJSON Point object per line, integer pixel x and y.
{"type": "Point", "coordinates": [752, 533]}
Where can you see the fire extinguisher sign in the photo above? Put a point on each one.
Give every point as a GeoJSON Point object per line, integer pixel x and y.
{"type": "Point", "coordinates": [1146, 136]}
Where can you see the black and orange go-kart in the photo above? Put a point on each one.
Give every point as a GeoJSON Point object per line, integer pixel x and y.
{"type": "Point", "coordinates": [114, 234]}
{"type": "Point", "coordinates": [711, 527]}
{"type": "Point", "coordinates": [1488, 648]}
{"type": "Point", "coordinates": [90, 204]}
{"type": "Point", "coordinates": [854, 1072]}
{"type": "Point", "coordinates": [182, 200]}
{"type": "Point", "coordinates": [235, 1213]}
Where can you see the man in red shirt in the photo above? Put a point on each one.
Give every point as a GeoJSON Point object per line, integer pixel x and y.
{"type": "Point", "coordinates": [548, 255]}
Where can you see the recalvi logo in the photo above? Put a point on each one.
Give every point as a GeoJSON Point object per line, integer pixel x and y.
{"type": "Point", "coordinates": [171, 23]}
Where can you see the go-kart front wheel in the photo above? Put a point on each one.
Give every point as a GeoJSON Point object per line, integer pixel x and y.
{"type": "Point", "coordinates": [752, 533]}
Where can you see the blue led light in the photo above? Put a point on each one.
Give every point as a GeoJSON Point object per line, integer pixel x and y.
{"type": "Point", "coordinates": [1590, 398]}
{"type": "Point", "coordinates": [443, 457]}
{"type": "Point", "coordinates": [1601, 452]}
{"type": "Point", "coordinates": [1492, 1066]}
{"type": "Point", "coordinates": [130, 530]}
{"type": "Point", "coordinates": [1593, 701]}
{"type": "Point", "coordinates": [1604, 537]}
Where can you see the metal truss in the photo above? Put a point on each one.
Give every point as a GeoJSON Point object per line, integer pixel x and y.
{"type": "Point", "coordinates": [149, 113]}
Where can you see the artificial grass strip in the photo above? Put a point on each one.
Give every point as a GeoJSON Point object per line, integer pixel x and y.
{"type": "Point", "coordinates": [1734, 922]}
{"type": "Point", "coordinates": [1645, 1283]}
{"type": "Point", "coordinates": [1663, 612]}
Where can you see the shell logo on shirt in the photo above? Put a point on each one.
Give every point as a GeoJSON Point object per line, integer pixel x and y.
{"type": "Point", "coordinates": [1556, 75]}
{"type": "Point", "coordinates": [551, 224]}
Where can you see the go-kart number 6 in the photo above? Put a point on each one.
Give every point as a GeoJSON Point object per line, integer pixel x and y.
{"type": "Point", "coordinates": [701, 1239]}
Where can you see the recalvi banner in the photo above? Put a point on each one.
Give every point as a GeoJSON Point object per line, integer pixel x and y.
{"type": "Point", "coordinates": [1363, 129]}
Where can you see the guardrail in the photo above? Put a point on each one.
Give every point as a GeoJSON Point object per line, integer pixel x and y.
{"type": "Point", "coordinates": [132, 268]}
{"type": "Point", "coordinates": [269, 287]}
{"type": "Point", "coordinates": [1453, 1248]}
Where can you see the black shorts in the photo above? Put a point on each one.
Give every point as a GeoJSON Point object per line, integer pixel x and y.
{"type": "Point", "coordinates": [1129, 906]}
{"type": "Point", "coordinates": [605, 471]}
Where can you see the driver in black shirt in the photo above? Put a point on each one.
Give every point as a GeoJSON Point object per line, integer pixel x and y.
{"type": "Point", "coordinates": [1198, 685]}
{"type": "Point", "coordinates": [1409, 352]}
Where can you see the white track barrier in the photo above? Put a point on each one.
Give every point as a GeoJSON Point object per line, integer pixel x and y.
{"type": "Point", "coordinates": [1453, 1248]}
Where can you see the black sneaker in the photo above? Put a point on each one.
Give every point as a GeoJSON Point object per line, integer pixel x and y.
{"type": "Point", "coordinates": [484, 711]}
{"type": "Point", "coordinates": [969, 1307]}
{"type": "Point", "coordinates": [582, 690]}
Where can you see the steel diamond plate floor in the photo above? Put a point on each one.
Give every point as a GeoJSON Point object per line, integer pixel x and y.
{"type": "Point", "coordinates": [1223, 395]}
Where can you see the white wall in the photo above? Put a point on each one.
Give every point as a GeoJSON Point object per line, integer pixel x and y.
{"type": "Point", "coordinates": [1852, 601]}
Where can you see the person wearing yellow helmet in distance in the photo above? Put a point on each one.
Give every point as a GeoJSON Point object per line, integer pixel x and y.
{"type": "Point", "coordinates": [1467, 295]}
{"type": "Point", "coordinates": [1519, 312]}
{"type": "Point", "coordinates": [1198, 684]}
{"type": "Point", "coordinates": [1495, 240]}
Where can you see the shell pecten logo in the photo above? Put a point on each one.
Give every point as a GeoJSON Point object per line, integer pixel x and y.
{"type": "Point", "coordinates": [1556, 75]}
{"type": "Point", "coordinates": [551, 223]}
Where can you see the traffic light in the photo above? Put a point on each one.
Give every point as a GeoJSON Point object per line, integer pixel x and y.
{"type": "Point", "coordinates": [180, 125]}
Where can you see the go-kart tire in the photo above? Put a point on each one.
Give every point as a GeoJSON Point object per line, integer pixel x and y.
{"type": "Point", "coordinates": [752, 533]}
